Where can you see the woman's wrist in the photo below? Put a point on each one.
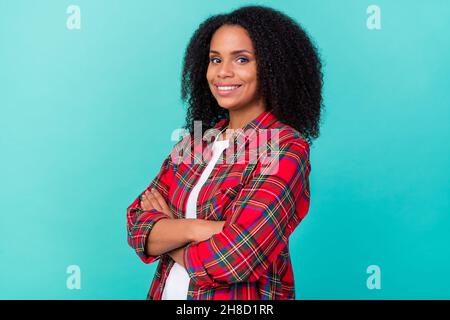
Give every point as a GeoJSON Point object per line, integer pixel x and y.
{"type": "Point", "coordinates": [200, 229]}
{"type": "Point", "coordinates": [191, 229]}
{"type": "Point", "coordinates": [178, 255]}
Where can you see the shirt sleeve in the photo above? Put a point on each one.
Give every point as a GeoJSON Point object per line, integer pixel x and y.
{"type": "Point", "coordinates": [259, 222]}
{"type": "Point", "coordinates": [140, 222]}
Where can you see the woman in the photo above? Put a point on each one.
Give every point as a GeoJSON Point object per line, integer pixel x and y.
{"type": "Point", "coordinates": [221, 230]}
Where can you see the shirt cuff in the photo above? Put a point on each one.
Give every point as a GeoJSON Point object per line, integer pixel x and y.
{"type": "Point", "coordinates": [141, 231]}
{"type": "Point", "coordinates": [194, 266]}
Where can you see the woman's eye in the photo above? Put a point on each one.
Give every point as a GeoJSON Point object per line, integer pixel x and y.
{"type": "Point", "coordinates": [214, 60]}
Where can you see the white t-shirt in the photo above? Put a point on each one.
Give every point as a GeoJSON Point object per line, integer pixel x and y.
{"type": "Point", "coordinates": [177, 283]}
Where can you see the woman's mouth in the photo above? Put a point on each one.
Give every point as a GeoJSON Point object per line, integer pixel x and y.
{"type": "Point", "coordinates": [227, 90]}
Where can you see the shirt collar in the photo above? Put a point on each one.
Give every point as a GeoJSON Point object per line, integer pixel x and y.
{"type": "Point", "coordinates": [263, 121]}
{"type": "Point", "coordinates": [241, 140]}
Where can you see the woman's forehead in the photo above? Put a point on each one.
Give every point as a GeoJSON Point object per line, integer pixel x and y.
{"type": "Point", "coordinates": [230, 39]}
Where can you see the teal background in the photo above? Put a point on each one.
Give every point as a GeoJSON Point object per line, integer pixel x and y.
{"type": "Point", "coordinates": [86, 118]}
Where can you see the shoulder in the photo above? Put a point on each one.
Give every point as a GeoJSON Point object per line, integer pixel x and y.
{"type": "Point", "coordinates": [182, 142]}
{"type": "Point", "coordinates": [289, 138]}
{"type": "Point", "coordinates": [289, 154]}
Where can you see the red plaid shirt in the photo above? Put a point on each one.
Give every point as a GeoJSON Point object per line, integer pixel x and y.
{"type": "Point", "coordinates": [249, 259]}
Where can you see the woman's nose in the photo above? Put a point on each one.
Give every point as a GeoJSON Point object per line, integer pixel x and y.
{"type": "Point", "coordinates": [225, 69]}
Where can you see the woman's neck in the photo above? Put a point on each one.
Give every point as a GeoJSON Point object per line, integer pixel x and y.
{"type": "Point", "coordinates": [240, 118]}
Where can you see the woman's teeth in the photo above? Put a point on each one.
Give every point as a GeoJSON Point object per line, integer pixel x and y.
{"type": "Point", "coordinates": [228, 88]}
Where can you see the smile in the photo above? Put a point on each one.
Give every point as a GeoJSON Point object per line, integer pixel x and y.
{"type": "Point", "coordinates": [227, 90]}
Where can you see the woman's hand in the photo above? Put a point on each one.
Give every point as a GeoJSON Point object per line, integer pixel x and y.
{"type": "Point", "coordinates": [201, 230]}
{"type": "Point", "coordinates": [205, 229]}
{"type": "Point", "coordinates": [153, 200]}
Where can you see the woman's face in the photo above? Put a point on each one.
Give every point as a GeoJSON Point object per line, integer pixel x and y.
{"type": "Point", "coordinates": [232, 69]}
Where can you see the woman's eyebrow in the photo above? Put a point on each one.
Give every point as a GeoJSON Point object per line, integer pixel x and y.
{"type": "Point", "coordinates": [232, 52]}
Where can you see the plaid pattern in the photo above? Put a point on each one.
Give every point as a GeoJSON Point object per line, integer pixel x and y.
{"type": "Point", "coordinates": [249, 259]}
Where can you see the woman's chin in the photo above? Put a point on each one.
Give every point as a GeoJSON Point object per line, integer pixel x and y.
{"type": "Point", "coordinates": [227, 105]}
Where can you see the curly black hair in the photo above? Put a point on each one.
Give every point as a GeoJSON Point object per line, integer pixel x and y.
{"type": "Point", "coordinates": [288, 70]}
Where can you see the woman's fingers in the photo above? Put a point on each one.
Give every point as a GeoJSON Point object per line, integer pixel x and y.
{"type": "Point", "coordinates": [162, 203]}
{"type": "Point", "coordinates": [154, 201]}
{"type": "Point", "coordinates": [147, 202]}
{"type": "Point", "coordinates": [144, 204]}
